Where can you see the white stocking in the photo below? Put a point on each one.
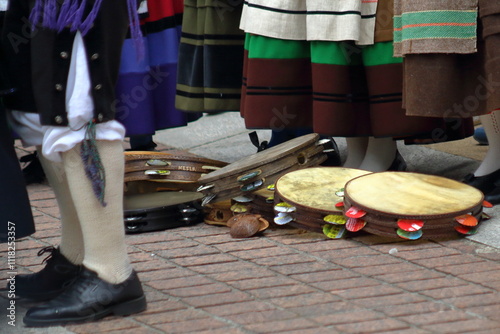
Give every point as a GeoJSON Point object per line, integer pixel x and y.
{"type": "Point", "coordinates": [102, 226]}
{"type": "Point", "coordinates": [356, 150]}
{"type": "Point", "coordinates": [491, 161]}
{"type": "Point", "coordinates": [71, 245]}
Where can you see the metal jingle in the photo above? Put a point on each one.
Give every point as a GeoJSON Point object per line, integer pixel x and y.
{"type": "Point", "coordinates": [282, 218]}
{"type": "Point", "coordinates": [284, 207]}
{"type": "Point", "coordinates": [410, 225]}
{"type": "Point", "coordinates": [270, 199]}
{"type": "Point", "coordinates": [132, 219]}
{"type": "Point", "coordinates": [467, 220]}
{"type": "Point", "coordinates": [239, 208]}
{"type": "Point", "coordinates": [188, 211]}
{"type": "Point", "coordinates": [340, 192]}
{"type": "Point", "coordinates": [157, 162]}
{"type": "Point", "coordinates": [249, 176]}
{"type": "Point", "coordinates": [157, 172]}
{"type": "Point", "coordinates": [466, 230]}
{"type": "Point", "coordinates": [354, 212]}
{"type": "Point", "coordinates": [335, 219]}
{"type": "Point", "coordinates": [210, 167]}
{"type": "Point", "coordinates": [409, 235]}
{"type": "Point", "coordinates": [242, 199]}
{"type": "Point", "coordinates": [252, 186]}
{"type": "Point", "coordinates": [354, 224]}
{"type": "Point", "coordinates": [334, 231]}
{"type": "Point", "coordinates": [207, 199]}
{"type": "Point", "coordinates": [271, 187]}
{"type": "Point", "coordinates": [205, 187]}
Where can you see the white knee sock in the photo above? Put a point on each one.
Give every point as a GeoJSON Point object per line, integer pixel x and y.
{"type": "Point", "coordinates": [379, 155]}
{"type": "Point", "coordinates": [356, 150]}
{"type": "Point", "coordinates": [71, 245]}
{"type": "Point", "coordinates": [102, 226]}
{"type": "Point", "coordinates": [491, 161]}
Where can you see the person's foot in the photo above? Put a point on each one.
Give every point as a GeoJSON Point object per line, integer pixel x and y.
{"type": "Point", "coordinates": [52, 280]}
{"type": "Point", "coordinates": [89, 298]}
{"type": "Point", "coordinates": [480, 136]}
{"type": "Point", "coordinates": [33, 172]}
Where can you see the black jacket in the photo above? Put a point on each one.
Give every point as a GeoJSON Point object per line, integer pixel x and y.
{"type": "Point", "coordinates": [39, 61]}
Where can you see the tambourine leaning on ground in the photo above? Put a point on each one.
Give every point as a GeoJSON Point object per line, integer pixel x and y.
{"type": "Point", "coordinates": [307, 199]}
{"type": "Point", "coordinates": [160, 190]}
{"type": "Point", "coordinates": [412, 206]}
{"type": "Point", "coordinates": [262, 169]}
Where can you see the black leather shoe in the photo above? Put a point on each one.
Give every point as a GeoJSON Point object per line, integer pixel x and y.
{"type": "Point", "coordinates": [485, 183]}
{"type": "Point", "coordinates": [33, 172]}
{"type": "Point", "coordinates": [89, 298]}
{"type": "Point", "coordinates": [494, 196]}
{"type": "Point", "coordinates": [51, 280]}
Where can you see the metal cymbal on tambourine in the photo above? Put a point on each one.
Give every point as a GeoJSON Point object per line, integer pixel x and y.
{"type": "Point", "coordinates": [263, 168]}
{"type": "Point", "coordinates": [412, 206]}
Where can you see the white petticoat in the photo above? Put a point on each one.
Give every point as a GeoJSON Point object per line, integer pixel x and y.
{"type": "Point", "coordinates": [80, 107]}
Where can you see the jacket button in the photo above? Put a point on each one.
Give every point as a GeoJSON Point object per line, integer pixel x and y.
{"type": "Point", "coordinates": [98, 87]}
{"type": "Point", "coordinates": [100, 117]}
{"type": "Point", "coordinates": [95, 56]}
{"type": "Point", "coordinates": [58, 119]}
{"type": "Point", "coordinates": [64, 55]}
{"type": "Point", "coordinates": [59, 87]}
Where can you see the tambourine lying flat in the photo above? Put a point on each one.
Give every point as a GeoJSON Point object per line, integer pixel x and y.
{"type": "Point", "coordinates": [412, 205]}
{"type": "Point", "coordinates": [307, 198]}
{"type": "Point", "coordinates": [261, 169]}
{"type": "Point", "coordinates": [165, 167]}
{"type": "Point", "coordinates": [161, 210]}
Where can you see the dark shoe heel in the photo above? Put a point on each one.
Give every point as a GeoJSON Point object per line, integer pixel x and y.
{"type": "Point", "coordinates": [130, 307]}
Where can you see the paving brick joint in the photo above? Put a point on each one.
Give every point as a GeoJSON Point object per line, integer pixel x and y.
{"type": "Point", "coordinates": [198, 279]}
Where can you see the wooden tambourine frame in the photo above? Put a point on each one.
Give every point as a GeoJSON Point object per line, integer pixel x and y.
{"type": "Point", "coordinates": [261, 169]}
{"type": "Point", "coordinates": [168, 170]}
{"type": "Point", "coordinates": [412, 205]}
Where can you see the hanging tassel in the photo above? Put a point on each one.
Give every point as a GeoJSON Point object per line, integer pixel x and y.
{"type": "Point", "coordinates": [92, 163]}
{"type": "Point", "coordinates": [48, 14]}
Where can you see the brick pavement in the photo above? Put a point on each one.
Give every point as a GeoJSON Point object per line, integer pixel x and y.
{"type": "Point", "coordinates": [200, 280]}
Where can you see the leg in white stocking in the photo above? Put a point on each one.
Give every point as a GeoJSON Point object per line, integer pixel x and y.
{"type": "Point", "coordinates": [491, 161]}
{"type": "Point", "coordinates": [71, 245]}
{"type": "Point", "coordinates": [379, 155]}
{"type": "Point", "coordinates": [356, 150]}
{"type": "Point", "coordinates": [102, 226]}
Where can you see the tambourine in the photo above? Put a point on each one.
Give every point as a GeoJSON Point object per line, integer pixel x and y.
{"type": "Point", "coordinates": [412, 206]}
{"type": "Point", "coordinates": [308, 199]}
{"type": "Point", "coordinates": [261, 169]}
{"type": "Point", "coordinates": [161, 211]}
{"type": "Point", "coordinates": [174, 171]}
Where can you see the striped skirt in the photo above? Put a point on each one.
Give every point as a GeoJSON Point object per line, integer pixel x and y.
{"type": "Point", "coordinates": [458, 85]}
{"type": "Point", "coordinates": [210, 56]}
{"type": "Point", "coordinates": [336, 88]}
{"type": "Point", "coordinates": [146, 89]}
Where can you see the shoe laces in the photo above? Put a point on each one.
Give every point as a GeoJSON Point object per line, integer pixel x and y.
{"type": "Point", "coordinates": [47, 249]}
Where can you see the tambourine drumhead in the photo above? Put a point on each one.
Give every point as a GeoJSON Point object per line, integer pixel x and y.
{"type": "Point", "coordinates": [316, 188]}
{"type": "Point", "coordinates": [411, 195]}
{"type": "Point", "coordinates": [144, 202]}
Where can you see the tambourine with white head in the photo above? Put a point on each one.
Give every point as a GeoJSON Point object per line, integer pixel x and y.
{"type": "Point", "coordinates": [161, 211]}
{"type": "Point", "coordinates": [412, 206]}
{"type": "Point", "coordinates": [174, 171]}
{"type": "Point", "coordinates": [308, 199]}
{"type": "Point", "coordinates": [261, 169]}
